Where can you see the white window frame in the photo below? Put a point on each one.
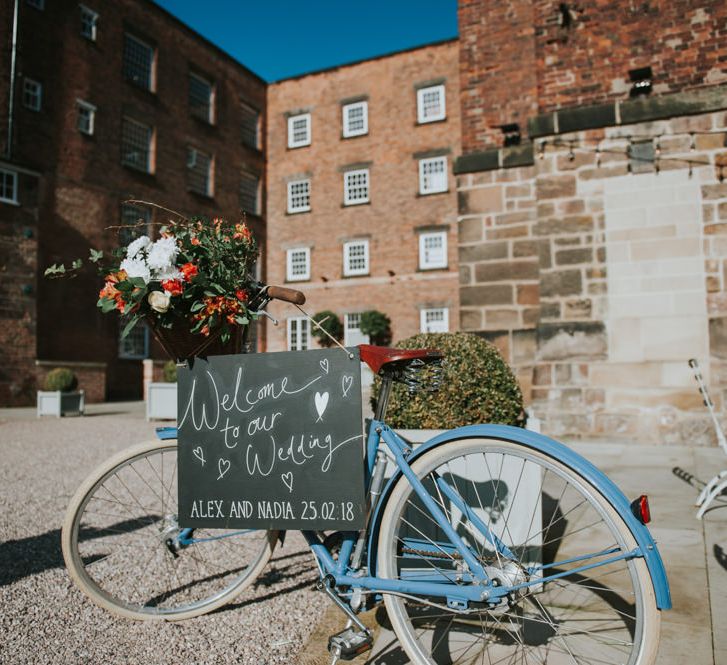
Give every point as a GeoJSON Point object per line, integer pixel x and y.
{"type": "Point", "coordinates": [14, 178]}
{"type": "Point", "coordinates": [93, 22]}
{"type": "Point", "coordinates": [301, 324]}
{"type": "Point", "coordinates": [346, 109]}
{"type": "Point", "coordinates": [302, 208]}
{"type": "Point", "coordinates": [352, 335]}
{"type": "Point", "coordinates": [81, 105]}
{"type": "Point", "coordinates": [423, 326]}
{"type": "Point", "coordinates": [34, 89]}
{"type": "Point", "coordinates": [348, 199]}
{"type": "Point", "coordinates": [292, 143]}
{"type": "Point", "coordinates": [444, 187]}
{"type": "Point", "coordinates": [348, 270]}
{"type": "Point", "coordinates": [290, 276]}
{"type": "Point", "coordinates": [424, 262]}
{"type": "Point", "coordinates": [441, 115]}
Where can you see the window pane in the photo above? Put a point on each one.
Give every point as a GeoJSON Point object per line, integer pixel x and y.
{"type": "Point", "coordinates": [250, 121]}
{"type": "Point", "coordinates": [138, 60]}
{"type": "Point", "coordinates": [299, 130]}
{"type": "Point", "coordinates": [89, 20]}
{"type": "Point", "coordinates": [430, 104]}
{"type": "Point", "coordinates": [433, 250]}
{"type": "Point", "coordinates": [298, 195]}
{"type": "Point", "coordinates": [356, 186]}
{"type": "Point", "coordinates": [298, 264]}
{"type": "Point", "coordinates": [200, 98]}
{"type": "Point", "coordinates": [86, 117]}
{"type": "Point", "coordinates": [249, 193]}
{"type": "Point", "coordinates": [9, 186]}
{"type": "Point", "coordinates": [199, 172]}
{"type": "Point", "coordinates": [356, 258]}
{"type": "Point", "coordinates": [355, 119]}
{"type": "Point", "coordinates": [32, 94]}
{"type": "Point", "coordinates": [298, 334]}
{"type": "Point", "coordinates": [433, 175]}
{"type": "Point", "coordinates": [136, 344]}
{"type": "Point", "coordinates": [135, 145]}
{"type": "Point", "coordinates": [435, 320]}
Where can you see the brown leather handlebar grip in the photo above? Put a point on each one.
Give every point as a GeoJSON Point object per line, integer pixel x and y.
{"type": "Point", "coordinates": [289, 295]}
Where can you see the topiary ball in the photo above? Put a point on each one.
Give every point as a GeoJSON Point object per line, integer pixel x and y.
{"type": "Point", "coordinates": [60, 378]}
{"type": "Point", "coordinates": [477, 387]}
{"type": "Point", "coordinates": [169, 372]}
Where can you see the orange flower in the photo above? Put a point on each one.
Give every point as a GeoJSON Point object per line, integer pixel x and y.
{"type": "Point", "coordinates": [241, 295]}
{"type": "Point", "coordinates": [173, 287]}
{"type": "Point", "coordinates": [205, 331]}
{"type": "Point", "coordinates": [242, 232]}
{"type": "Point", "coordinates": [195, 240]}
{"type": "Point", "coordinates": [189, 270]}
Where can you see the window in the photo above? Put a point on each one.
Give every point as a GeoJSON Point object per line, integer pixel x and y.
{"type": "Point", "coordinates": [136, 145]}
{"type": "Point", "coordinates": [356, 258]}
{"type": "Point", "coordinates": [299, 130]}
{"type": "Point", "coordinates": [355, 119]}
{"type": "Point", "coordinates": [32, 94]}
{"type": "Point", "coordinates": [299, 195]}
{"type": "Point", "coordinates": [201, 98]}
{"type": "Point", "coordinates": [249, 197]}
{"type": "Point", "coordinates": [298, 333]}
{"type": "Point", "coordinates": [134, 222]}
{"type": "Point", "coordinates": [352, 330]}
{"type": "Point", "coordinates": [298, 264]}
{"type": "Point", "coordinates": [356, 187]}
{"type": "Point", "coordinates": [430, 104]}
{"type": "Point", "coordinates": [199, 172]}
{"type": "Point", "coordinates": [135, 346]}
{"type": "Point", "coordinates": [36, 4]}
{"type": "Point", "coordinates": [86, 120]}
{"type": "Point", "coordinates": [89, 21]}
{"type": "Point", "coordinates": [138, 62]}
{"type": "Point", "coordinates": [434, 320]}
{"type": "Point", "coordinates": [250, 126]}
{"type": "Point", "coordinates": [8, 186]}
{"type": "Point", "coordinates": [433, 250]}
{"type": "Point", "coordinates": [433, 175]}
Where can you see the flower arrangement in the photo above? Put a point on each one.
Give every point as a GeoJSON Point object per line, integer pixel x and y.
{"type": "Point", "coordinates": [194, 276]}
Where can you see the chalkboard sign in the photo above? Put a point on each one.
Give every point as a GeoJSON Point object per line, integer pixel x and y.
{"type": "Point", "coordinates": [272, 441]}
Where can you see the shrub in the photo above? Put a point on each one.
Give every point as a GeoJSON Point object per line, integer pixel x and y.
{"type": "Point", "coordinates": [60, 378]}
{"type": "Point", "coordinates": [377, 326]}
{"type": "Point", "coordinates": [169, 372]}
{"type": "Point", "coordinates": [330, 322]}
{"type": "Point", "coordinates": [477, 387]}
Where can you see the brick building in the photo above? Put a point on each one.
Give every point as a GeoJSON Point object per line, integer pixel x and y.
{"type": "Point", "coordinates": [592, 207]}
{"type": "Point", "coordinates": [361, 197]}
{"type": "Point", "coordinates": [111, 102]}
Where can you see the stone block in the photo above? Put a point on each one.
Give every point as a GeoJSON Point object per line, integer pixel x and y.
{"type": "Point", "coordinates": [524, 346]}
{"type": "Point", "coordinates": [667, 338]}
{"type": "Point", "coordinates": [561, 283]}
{"type": "Point", "coordinates": [564, 225]}
{"type": "Point", "coordinates": [470, 319]}
{"type": "Point", "coordinates": [543, 375]}
{"type": "Point", "coordinates": [502, 271]}
{"type": "Point", "coordinates": [528, 294]}
{"type": "Point", "coordinates": [470, 229]}
{"type": "Point", "coordinates": [485, 251]}
{"type": "Point", "coordinates": [465, 275]}
{"type": "Point", "coordinates": [480, 200]}
{"type": "Point", "coordinates": [709, 141]}
{"type": "Point", "coordinates": [545, 260]}
{"type": "Point", "coordinates": [518, 191]}
{"type": "Point", "coordinates": [573, 256]}
{"type": "Point", "coordinates": [501, 319]}
{"type": "Point", "coordinates": [555, 186]}
{"type": "Point", "coordinates": [717, 191]}
{"type": "Point", "coordinates": [518, 231]}
{"type": "Point", "coordinates": [545, 209]}
{"type": "Point", "coordinates": [718, 336]}
{"type": "Point", "coordinates": [580, 158]}
{"type": "Point", "coordinates": [515, 218]}
{"type": "Point", "coordinates": [572, 207]}
{"type": "Point", "coordinates": [501, 340]}
{"type": "Point", "coordinates": [549, 310]}
{"type": "Point", "coordinates": [577, 309]}
{"type": "Point", "coordinates": [493, 294]}
{"type": "Point", "coordinates": [722, 210]}
{"type": "Point", "coordinates": [565, 341]}
{"type": "Point", "coordinates": [531, 317]}
{"type": "Point", "coordinates": [665, 248]}
{"type": "Point", "coordinates": [521, 248]}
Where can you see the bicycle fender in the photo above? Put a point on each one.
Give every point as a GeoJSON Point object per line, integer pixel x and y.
{"type": "Point", "coordinates": [563, 454]}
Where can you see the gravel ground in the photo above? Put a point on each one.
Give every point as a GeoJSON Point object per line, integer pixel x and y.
{"type": "Point", "coordinates": [45, 619]}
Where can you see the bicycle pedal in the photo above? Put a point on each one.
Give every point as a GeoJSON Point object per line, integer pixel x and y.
{"type": "Point", "coordinates": [350, 643]}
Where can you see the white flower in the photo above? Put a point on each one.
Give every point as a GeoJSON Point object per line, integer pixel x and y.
{"type": "Point", "coordinates": [136, 268]}
{"type": "Point", "coordinates": [162, 253]}
{"type": "Point", "coordinates": [159, 301]}
{"type": "Point", "coordinates": [136, 246]}
{"type": "Point", "coordinates": [168, 273]}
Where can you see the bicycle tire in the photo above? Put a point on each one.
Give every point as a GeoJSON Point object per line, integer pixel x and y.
{"type": "Point", "coordinates": [114, 542]}
{"type": "Point", "coordinates": [604, 615]}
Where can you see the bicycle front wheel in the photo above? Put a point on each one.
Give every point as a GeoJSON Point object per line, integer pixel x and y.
{"type": "Point", "coordinates": [120, 545]}
{"type": "Point", "coordinates": [548, 521]}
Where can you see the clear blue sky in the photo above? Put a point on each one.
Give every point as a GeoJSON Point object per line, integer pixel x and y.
{"type": "Point", "coordinates": [281, 38]}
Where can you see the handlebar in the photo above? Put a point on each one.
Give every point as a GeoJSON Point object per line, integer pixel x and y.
{"type": "Point", "coordinates": [289, 295]}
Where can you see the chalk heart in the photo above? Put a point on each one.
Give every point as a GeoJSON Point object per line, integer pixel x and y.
{"type": "Point", "coordinates": [324, 365]}
{"type": "Point", "coordinates": [321, 400]}
{"type": "Point", "coordinates": [287, 479]}
{"type": "Point", "coordinates": [199, 454]}
{"type": "Point", "coordinates": [224, 466]}
{"type": "Point", "coordinates": [346, 383]}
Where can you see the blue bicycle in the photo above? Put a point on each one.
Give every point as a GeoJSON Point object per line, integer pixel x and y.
{"type": "Point", "coordinates": [487, 544]}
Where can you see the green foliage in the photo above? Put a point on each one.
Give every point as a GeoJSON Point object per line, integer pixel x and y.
{"type": "Point", "coordinates": [377, 326]}
{"type": "Point", "coordinates": [60, 378]}
{"type": "Point", "coordinates": [477, 387]}
{"type": "Point", "coordinates": [330, 322]}
{"type": "Point", "coordinates": [169, 372]}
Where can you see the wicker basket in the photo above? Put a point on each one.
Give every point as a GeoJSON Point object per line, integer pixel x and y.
{"type": "Point", "coordinates": [181, 344]}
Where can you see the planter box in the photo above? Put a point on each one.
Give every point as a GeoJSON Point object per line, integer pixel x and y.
{"type": "Point", "coordinates": [161, 401]}
{"type": "Point", "coordinates": [57, 403]}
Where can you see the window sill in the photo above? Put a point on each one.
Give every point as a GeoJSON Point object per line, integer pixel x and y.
{"type": "Point", "coordinates": [296, 281]}
{"type": "Point", "coordinates": [138, 171]}
{"type": "Point", "coordinates": [353, 136]}
{"type": "Point", "coordinates": [358, 203]}
{"type": "Point", "coordinates": [363, 274]}
{"type": "Point", "coordinates": [139, 86]}
{"type": "Point", "coordinates": [298, 147]}
{"type": "Point", "coordinates": [297, 212]}
{"type": "Point", "coordinates": [10, 202]}
{"type": "Point", "coordinates": [430, 122]}
{"type": "Point", "coordinates": [421, 195]}
{"type": "Point", "coordinates": [206, 197]}
{"type": "Point", "coordinates": [433, 269]}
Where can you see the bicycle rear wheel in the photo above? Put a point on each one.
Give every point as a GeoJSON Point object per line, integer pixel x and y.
{"type": "Point", "coordinates": [118, 542]}
{"type": "Point", "coordinates": [547, 516]}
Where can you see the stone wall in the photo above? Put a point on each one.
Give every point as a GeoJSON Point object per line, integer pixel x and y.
{"type": "Point", "coordinates": [599, 276]}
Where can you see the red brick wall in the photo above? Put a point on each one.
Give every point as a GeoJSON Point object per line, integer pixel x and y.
{"type": "Point", "coordinates": [84, 182]}
{"type": "Point", "coordinates": [510, 47]}
{"type": "Point", "coordinates": [395, 285]}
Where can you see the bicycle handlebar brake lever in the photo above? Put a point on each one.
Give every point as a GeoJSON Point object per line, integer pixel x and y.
{"type": "Point", "coordinates": [262, 312]}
